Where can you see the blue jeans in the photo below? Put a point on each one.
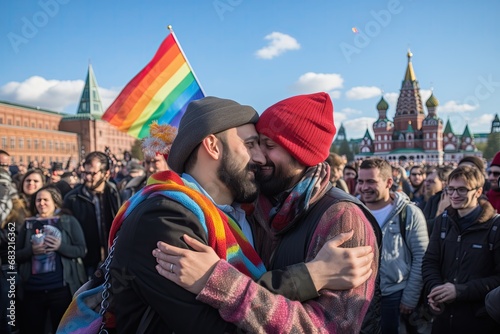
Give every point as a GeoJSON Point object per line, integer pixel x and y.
{"type": "Point", "coordinates": [390, 312]}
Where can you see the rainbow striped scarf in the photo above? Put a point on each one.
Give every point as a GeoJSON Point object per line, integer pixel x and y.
{"type": "Point", "coordinates": [224, 234]}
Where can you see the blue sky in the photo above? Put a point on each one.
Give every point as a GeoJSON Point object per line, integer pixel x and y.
{"type": "Point", "coordinates": [259, 52]}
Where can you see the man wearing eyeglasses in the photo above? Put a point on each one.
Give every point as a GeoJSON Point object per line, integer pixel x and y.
{"type": "Point", "coordinates": [94, 203]}
{"type": "Point", "coordinates": [493, 175]}
{"type": "Point", "coordinates": [462, 263]}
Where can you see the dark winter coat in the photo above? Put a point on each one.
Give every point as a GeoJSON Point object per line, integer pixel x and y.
{"type": "Point", "coordinates": [72, 248]}
{"type": "Point", "coordinates": [463, 258]}
{"type": "Point", "coordinates": [79, 202]}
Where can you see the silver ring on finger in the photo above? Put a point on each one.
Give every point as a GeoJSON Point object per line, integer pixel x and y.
{"type": "Point", "coordinates": [172, 268]}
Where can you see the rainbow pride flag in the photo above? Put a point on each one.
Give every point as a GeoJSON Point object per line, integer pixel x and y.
{"type": "Point", "coordinates": [160, 92]}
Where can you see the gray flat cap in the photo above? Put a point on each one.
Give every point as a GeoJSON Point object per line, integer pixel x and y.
{"type": "Point", "coordinates": [203, 117]}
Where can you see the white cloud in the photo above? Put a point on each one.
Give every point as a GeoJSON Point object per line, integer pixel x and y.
{"type": "Point", "coordinates": [108, 96]}
{"type": "Point", "coordinates": [351, 111]}
{"type": "Point", "coordinates": [453, 106]}
{"type": "Point", "coordinates": [57, 95]}
{"type": "Point", "coordinates": [37, 91]}
{"type": "Point", "coordinates": [344, 114]}
{"type": "Point", "coordinates": [278, 44]}
{"type": "Point", "coordinates": [392, 99]}
{"type": "Point", "coordinates": [363, 92]}
{"type": "Point", "coordinates": [425, 94]}
{"type": "Point", "coordinates": [339, 117]}
{"type": "Point", "coordinates": [319, 82]}
{"type": "Point", "coordinates": [335, 94]}
{"type": "Point", "coordinates": [481, 124]}
{"type": "Point", "coordinates": [356, 128]}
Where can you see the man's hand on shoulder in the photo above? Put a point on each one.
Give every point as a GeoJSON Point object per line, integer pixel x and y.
{"type": "Point", "coordinates": [186, 268]}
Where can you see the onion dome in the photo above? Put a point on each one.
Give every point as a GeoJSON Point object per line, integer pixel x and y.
{"type": "Point", "coordinates": [382, 105]}
{"type": "Point", "coordinates": [432, 102]}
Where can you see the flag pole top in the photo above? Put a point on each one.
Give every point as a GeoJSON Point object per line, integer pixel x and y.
{"type": "Point", "coordinates": [169, 27]}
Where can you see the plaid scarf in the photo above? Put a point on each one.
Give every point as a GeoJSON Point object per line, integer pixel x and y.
{"type": "Point", "coordinates": [312, 186]}
{"type": "Point", "coordinates": [224, 234]}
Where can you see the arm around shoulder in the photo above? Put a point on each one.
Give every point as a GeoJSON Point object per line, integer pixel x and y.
{"type": "Point", "coordinates": [255, 309]}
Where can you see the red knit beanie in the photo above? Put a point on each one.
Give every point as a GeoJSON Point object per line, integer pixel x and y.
{"type": "Point", "coordinates": [303, 125]}
{"type": "Point", "coordinates": [496, 160]}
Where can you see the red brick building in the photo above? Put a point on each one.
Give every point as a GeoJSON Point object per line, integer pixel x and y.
{"type": "Point", "coordinates": [32, 133]}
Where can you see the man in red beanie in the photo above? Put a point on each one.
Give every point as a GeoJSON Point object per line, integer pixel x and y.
{"type": "Point", "coordinates": [493, 194]}
{"type": "Point", "coordinates": [300, 211]}
{"type": "Point", "coordinates": [216, 154]}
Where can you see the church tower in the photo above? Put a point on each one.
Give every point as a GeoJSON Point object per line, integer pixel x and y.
{"type": "Point", "coordinates": [341, 135]}
{"type": "Point", "coordinates": [450, 142]}
{"type": "Point", "coordinates": [495, 125]}
{"type": "Point", "coordinates": [90, 101]}
{"type": "Point", "coordinates": [366, 145]}
{"type": "Point", "coordinates": [382, 129]}
{"type": "Point", "coordinates": [467, 141]}
{"type": "Point", "coordinates": [410, 137]}
{"type": "Point", "coordinates": [408, 109]}
{"type": "Point", "coordinates": [432, 130]}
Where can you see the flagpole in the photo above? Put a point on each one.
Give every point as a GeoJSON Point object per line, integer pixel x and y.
{"type": "Point", "coordinates": [187, 61]}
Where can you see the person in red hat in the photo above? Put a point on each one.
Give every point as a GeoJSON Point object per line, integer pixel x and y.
{"type": "Point", "coordinates": [297, 211]}
{"type": "Point", "coordinates": [493, 194]}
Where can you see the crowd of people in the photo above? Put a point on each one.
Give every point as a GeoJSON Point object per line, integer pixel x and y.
{"type": "Point", "coordinates": [249, 222]}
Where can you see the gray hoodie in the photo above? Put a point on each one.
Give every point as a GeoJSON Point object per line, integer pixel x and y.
{"type": "Point", "coordinates": [401, 262]}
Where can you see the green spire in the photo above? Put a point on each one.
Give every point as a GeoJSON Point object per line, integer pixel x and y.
{"type": "Point", "coordinates": [382, 104]}
{"type": "Point", "coordinates": [341, 130]}
{"type": "Point", "coordinates": [432, 101]}
{"type": "Point", "coordinates": [341, 136]}
{"type": "Point", "coordinates": [367, 135]}
{"type": "Point", "coordinates": [90, 101]}
{"type": "Point", "coordinates": [495, 125]}
{"type": "Point", "coordinates": [466, 133]}
{"type": "Point", "coordinates": [448, 128]}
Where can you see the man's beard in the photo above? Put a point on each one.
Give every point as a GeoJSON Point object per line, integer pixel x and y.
{"type": "Point", "coordinates": [239, 181]}
{"type": "Point", "coordinates": [92, 186]}
{"type": "Point", "coordinates": [277, 182]}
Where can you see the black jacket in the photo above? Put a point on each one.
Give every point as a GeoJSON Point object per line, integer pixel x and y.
{"type": "Point", "coordinates": [83, 209]}
{"type": "Point", "coordinates": [136, 283]}
{"type": "Point", "coordinates": [72, 247]}
{"type": "Point", "coordinates": [463, 258]}
{"type": "Point", "coordinates": [430, 209]}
